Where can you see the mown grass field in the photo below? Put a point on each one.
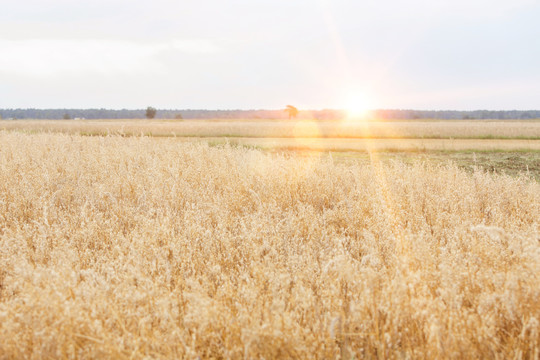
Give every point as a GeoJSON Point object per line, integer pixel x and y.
{"type": "Point", "coordinates": [514, 163]}
{"type": "Point", "coordinates": [138, 247]}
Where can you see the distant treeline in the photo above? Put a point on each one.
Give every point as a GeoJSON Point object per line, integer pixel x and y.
{"type": "Point", "coordinates": [260, 114]}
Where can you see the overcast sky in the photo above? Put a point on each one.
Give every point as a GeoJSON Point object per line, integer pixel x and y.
{"type": "Point", "coordinates": [252, 54]}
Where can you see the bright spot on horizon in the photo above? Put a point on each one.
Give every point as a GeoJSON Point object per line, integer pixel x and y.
{"type": "Point", "coordinates": [358, 106]}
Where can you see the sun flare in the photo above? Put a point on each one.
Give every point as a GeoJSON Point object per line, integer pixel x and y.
{"type": "Point", "coordinates": [358, 107]}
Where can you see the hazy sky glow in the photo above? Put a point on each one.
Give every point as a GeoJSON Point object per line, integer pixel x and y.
{"type": "Point", "coordinates": [241, 54]}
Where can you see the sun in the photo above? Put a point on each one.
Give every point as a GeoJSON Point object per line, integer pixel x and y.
{"type": "Point", "coordinates": [358, 107]}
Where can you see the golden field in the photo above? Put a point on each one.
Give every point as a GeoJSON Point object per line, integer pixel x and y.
{"type": "Point", "coordinates": [427, 129]}
{"type": "Point", "coordinates": [134, 247]}
{"type": "Point", "coordinates": [367, 145]}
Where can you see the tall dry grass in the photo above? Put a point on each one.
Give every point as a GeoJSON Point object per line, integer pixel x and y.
{"type": "Point", "coordinates": [130, 248]}
{"type": "Point", "coordinates": [445, 129]}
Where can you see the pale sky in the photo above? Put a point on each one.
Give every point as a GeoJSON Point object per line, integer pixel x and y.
{"type": "Point", "coordinates": [259, 54]}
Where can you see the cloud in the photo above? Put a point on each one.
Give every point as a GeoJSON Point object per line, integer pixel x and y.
{"type": "Point", "coordinates": [50, 57]}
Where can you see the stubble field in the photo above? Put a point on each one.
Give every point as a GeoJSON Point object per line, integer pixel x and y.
{"type": "Point", "coordinates": [134, 247]}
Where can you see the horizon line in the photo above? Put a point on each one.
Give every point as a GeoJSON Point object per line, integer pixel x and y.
{"type": "Point", "coordinates": [260, 109]}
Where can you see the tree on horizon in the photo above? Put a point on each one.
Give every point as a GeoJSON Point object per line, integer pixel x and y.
{"type": "Point", "coordinates": [292, 111]}
{"type": "Point", "coordinates": [150, 112]}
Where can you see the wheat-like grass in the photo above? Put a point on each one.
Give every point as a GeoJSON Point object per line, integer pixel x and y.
{"type": "Point", "coordinates": [466, 129]}
{"type": "Point", "coordinates": [117, 247]}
